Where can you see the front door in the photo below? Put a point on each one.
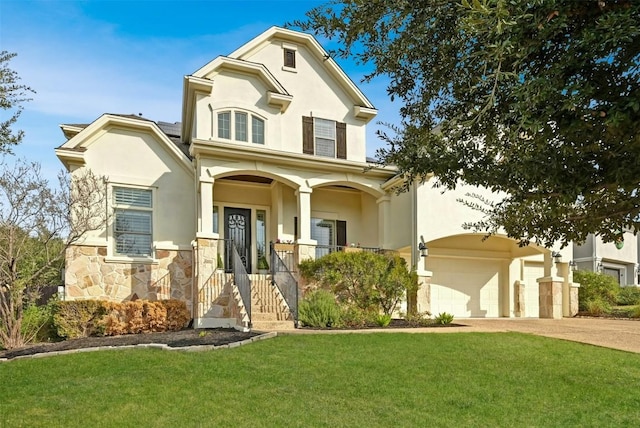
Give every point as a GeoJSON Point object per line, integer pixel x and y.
{"type": "Point", "coordinates": [237, 223]}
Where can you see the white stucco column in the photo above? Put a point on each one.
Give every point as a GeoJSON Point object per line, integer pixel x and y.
{"type": "Point", "coordinates": [205, 225]}
{"type": "Point", "coordinates": [304, 216]}
{"type": "Point", "coordinates": [384, 215]}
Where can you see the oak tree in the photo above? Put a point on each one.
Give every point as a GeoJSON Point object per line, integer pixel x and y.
{"type": "Point", "coordinates": [537, 100]}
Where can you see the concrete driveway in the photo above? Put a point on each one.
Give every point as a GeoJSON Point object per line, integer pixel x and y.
{"type": "Point", "coordinates": [617, 334]}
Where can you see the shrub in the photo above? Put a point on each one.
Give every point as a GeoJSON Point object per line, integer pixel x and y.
{"type": "Point", "coordinates": [319, 309]}
{"type": "Point", "coordinates": [177, 314]}
{"type": "Point", "coordinates": [352, 316]}
{"type": "Point", "coordinates": [422, 319]}
{"type": "Point", "coordinates": [383, 320]}
{"type": "Point", "coordinates": [371, 282]}
{"type": "Point", "coordinates": [78, 318]}
{"type": "Point", "coordinates": [444, 318]}
{"type": "Point", "coordinates": [597, 307]}
{"type": "Point", "coordinates": [635, 312]}
{"type": "Point", "coordinates": [37, 324]}
{"type": "Point", "coordinates": [595, 287]}
{"type": "Point", "coordinates": [628, 296]}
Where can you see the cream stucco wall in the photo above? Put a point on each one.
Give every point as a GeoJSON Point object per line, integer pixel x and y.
{"type": "Point", "coordinates": [130, 157]}
{"type": "Point", "coordinates": [315, 93]}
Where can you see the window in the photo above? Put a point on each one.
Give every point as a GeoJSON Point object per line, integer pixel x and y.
{"type": "Point", "coordinates": [261, 233]}
{"type": "Point", "coordinates": [324, 134]}
{"type": "Point", "coordinates": [215, 219]}
{"type": "Point", "coordinates": [324, 137]}
{"type": "Point", "coordinates": [330, 235]}
{"type": "Point", "coordinates": [133, 221]}
{"type": "Point", "coordinates": [224, 125]}
{"type": "Point", "coordinates": [241, 126]}
{"type": "Point", "coordinates": [323, 231]}
{"type": "Point", "coordinates": [289, 58]}
{"type": "Point", "coordinates": [257, 130]}
{"type": "Point", "coordinates": [234, 125]}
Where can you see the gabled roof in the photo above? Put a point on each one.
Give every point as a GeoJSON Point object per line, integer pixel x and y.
{"type": "Point", "coordinates": [201, 81]}
{"type": "Point", "coordinates": [72, 151]}
{"type": "Point", "coordinates": [245, 51]}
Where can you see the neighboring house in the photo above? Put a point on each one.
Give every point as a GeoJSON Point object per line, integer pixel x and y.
{"type": "Point", "coordinates": [271, 147]}
{"type": "Point", "coordinates": [617, 259]}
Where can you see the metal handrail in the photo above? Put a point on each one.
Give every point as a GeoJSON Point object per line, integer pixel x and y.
{"type": "Point", "coordinates": [240, 276]}
{"type": "Point", "coordinates": [282, 278]}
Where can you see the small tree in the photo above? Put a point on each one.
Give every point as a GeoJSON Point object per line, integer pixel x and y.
{"type": "Point", "coordinates": [37, 224]}
{"type": "Point", "coordinates": [369, 281]}
{"type": "Point", "coordinates": [12, 95]}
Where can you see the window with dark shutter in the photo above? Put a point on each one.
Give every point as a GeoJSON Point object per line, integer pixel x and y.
{"type": "Point", "coordinates": [307, 135]}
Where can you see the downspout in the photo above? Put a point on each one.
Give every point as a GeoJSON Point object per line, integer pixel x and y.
{"type": "Point", "coordinates": [415, 257]}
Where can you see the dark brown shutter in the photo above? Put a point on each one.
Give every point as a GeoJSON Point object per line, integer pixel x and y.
{"type": "Point", "coordinates": [295, 228]}
{"type": "Point", "coordinates": [307, 135]}
{"type": "Point", "coordinates": [341, 140]}
{"type": "Point", "coordinates": [341, 233]}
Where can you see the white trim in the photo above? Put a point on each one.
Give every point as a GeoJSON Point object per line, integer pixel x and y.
{"type": "Point", "coordinates": [131, 260]}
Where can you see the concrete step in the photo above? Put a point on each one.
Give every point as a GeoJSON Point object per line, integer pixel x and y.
{"type": "Point", "coordinates": [272, 325]}
{"type": "Point", "coordinates": [269, 316]}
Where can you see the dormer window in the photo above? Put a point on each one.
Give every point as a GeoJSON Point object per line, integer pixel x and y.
{"type": "Point", "coordinates": [234, 125]}
{"type": "Point", "coordinates": [289, 58]}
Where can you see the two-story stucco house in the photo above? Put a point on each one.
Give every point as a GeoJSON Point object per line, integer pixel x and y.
{"type": "Point", "coordinates": [271, 148]}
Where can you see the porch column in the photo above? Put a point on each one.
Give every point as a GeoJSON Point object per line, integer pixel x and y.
{"type": "Point", "coordinates": [304, 216]}
{"type": "Point", "coordinates": [384, 232]}
{"type": "Point", "coordinates": [206, 209]}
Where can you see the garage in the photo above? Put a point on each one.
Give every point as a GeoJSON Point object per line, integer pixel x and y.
{"type": "Point", "coordinates": [465, 287]}
{"type": "Point", "coordinates": [532, 271]}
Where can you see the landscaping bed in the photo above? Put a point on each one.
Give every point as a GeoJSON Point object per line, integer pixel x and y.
{"type": "Point", "coordinates": [174, 339]}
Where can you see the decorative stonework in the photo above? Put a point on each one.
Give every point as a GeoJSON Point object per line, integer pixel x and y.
{"type": "Point", "coordinates": [550, 298]}
{"type": "Point", "coordinates": [573, 299]}
{"type": "Point", "coordinates": [519, 303]}
{"type": "Point", "coordinates": [423, 295]}
{"type": "Point", "coordinates": [89, 276]}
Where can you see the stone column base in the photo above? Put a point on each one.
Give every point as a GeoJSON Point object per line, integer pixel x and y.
{"type": "Point", "coordinates": [550, 297]}
{"type": "Point", "coordinates": [519, 303]}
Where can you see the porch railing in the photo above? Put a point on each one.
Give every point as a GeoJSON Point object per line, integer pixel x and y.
{"type": "Point", "coordinates": [240, 276]}
{"type": "Point", "coordinates": [323, 250]}
{"type": "Point", "coordinates": [282, 278]}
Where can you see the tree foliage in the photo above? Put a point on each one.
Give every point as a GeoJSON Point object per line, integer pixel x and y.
{"type": "Point", "coordinates": [37, 224]}
{"type": "Point", "coordinates": [536, 100]}
{"type": "Point", "coordinates": [12, 95]}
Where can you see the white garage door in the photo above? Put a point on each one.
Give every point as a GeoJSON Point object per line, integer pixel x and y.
{"type": "Point", "coordinates": [465, 287]}
{"type": "Point", "coordinates": [532, 271]}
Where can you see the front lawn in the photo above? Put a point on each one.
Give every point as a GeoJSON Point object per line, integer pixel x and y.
{"type": "Point", "coordinates": [394, 379]}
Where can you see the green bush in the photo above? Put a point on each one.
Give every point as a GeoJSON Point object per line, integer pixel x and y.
{"type": "Point", "coordinates": [371, 282]}
{"type": "Point", "coordinates": [78, 318]}
{"type": "Point", "coordinates": [352, 316]}
{"type": "Point", "coordinates": [37, 324]}
{"type": "Point", "coordinates": [421, 319]}
{"type": "Point", "coordinates": [383, 320]}
{"type": "Point", "coordinates": [628, 296]}
{"type": "Point", "coordinates": [596, 288]}
{"type": "Point", "coordinates": [597, 307]}
{"type": "Point", "coordinates": [635, 312]}
{"type": "Point", "coordinates": [444, 318]}
{"type": "Point", "coordinates": [319, 309]}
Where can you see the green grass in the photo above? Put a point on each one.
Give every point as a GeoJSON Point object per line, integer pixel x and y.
{"type": "Point", "coordinates": [471, 379]}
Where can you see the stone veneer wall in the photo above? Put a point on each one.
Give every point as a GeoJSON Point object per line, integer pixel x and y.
{"type": "Point", "coordinates": [89, 276]}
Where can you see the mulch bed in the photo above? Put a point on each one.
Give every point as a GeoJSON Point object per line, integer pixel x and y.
{"type": "Point", "coordinates": [174, 339]}
{"type": "Point", "coordinates": [395, 323]}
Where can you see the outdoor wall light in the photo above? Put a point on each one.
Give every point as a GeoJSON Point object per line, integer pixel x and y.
{"type": "Point", "coordinates": [557, 257]}
{"type": "Point", "coordinates": [424, 251]}
{"type": "Point", "coordinates": [573, 265]}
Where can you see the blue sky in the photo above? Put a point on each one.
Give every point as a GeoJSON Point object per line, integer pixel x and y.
{"type": "Point", "coordinates": [85, 58]}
